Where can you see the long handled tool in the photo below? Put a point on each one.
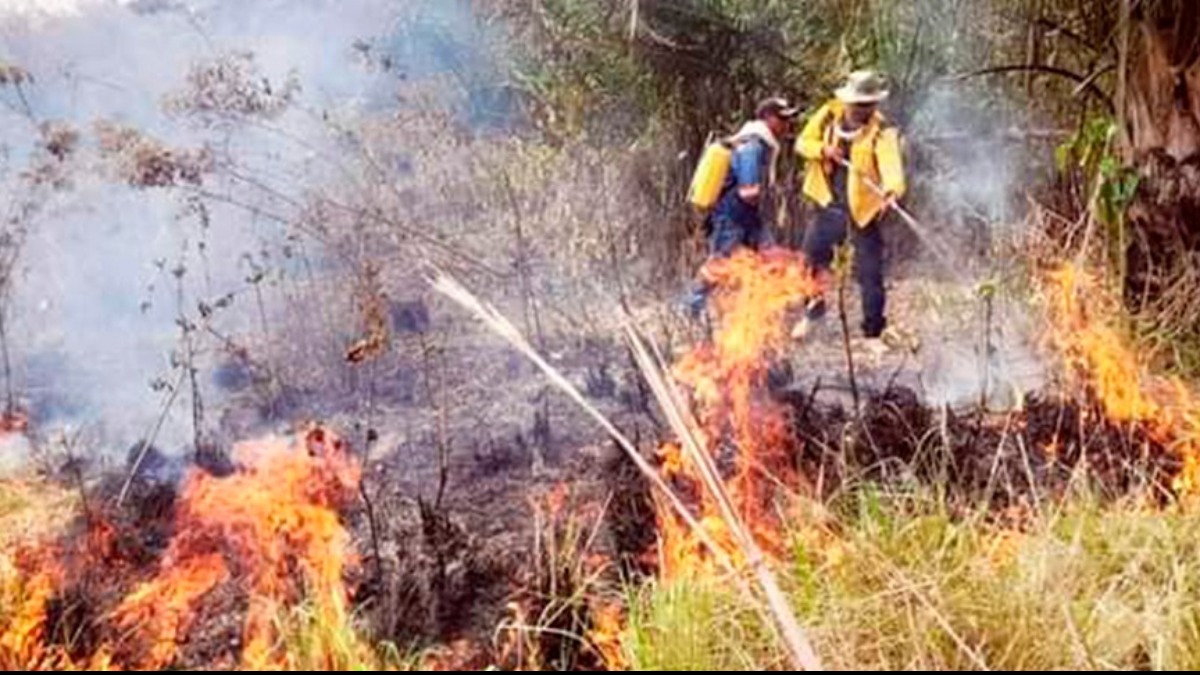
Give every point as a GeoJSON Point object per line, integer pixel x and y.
{"type": "Point", "coordinates": [926, 235]}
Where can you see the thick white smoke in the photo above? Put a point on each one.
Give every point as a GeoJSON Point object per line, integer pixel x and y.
{"type": "Point", "coordinates": [94, 308]}
{"type": "Point", "coordinates": [974, 171]}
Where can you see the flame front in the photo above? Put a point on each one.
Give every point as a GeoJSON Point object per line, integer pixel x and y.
{"type": "Point", "coordinates": [1084, 332]}
{"type": "Point", "coordinates": [744, 429]}
{"type": "Point", "coordinates": [272, 529]}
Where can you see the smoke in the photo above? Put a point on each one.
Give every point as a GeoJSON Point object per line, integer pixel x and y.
{"type": "Point", "coordinates": [41, 9]}
{"type": "Point", "coordinates": [95, 300]}
{"type": "Point", "coordinates": [972, 163]}
{"type": "Point", "coordinates": [15, 451]}
{"type": "Point", "coordinates": [971, 166]}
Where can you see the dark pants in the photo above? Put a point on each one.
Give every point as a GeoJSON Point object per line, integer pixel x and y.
{"type": "Point", "coordinates": [725, 236]}
{"type": "Point", "coordinates": [831, 228]}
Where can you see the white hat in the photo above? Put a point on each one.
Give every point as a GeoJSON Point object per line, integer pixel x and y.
{"type": "Point", "coordinates": [863, 86]}
{"type": "Point", "coordinates": [777, 106]}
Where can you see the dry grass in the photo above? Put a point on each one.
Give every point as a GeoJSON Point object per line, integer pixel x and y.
{"type": "Point", "coordinates": [11, 501]}
{"type": "Point", "coordinates": [902, 585]}
{"type": "Point", "coordinates": [30, 511]}
{"type": "Point", "coordinates": [548, 627]}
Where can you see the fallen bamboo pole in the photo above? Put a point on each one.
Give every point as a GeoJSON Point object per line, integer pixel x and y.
{"type": "Point", "coordinates": [802, 652]}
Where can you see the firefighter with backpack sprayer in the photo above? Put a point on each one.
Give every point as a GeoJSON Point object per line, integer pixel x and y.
{"type": "Point", "coordinates": [732, 184]}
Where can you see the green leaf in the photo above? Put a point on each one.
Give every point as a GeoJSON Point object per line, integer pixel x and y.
{"type": "Point", "coordinates": [1063, 155]}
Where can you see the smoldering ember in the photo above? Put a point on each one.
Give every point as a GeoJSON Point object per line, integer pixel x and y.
{"type": "Point", "coordinates": [599, 335]}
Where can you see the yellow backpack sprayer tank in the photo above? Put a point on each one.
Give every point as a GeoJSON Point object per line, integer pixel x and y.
{"type": "Point", "coordinates": [711, 175]}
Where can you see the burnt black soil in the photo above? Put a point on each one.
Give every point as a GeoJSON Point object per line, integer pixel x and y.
{"type": "Point", "coordinates": [1041, 450]}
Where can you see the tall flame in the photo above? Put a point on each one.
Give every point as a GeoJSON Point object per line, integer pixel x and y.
{"type": "Point", "coordinates": [23, 644]}
{"type": "Point", "coordinates": [1085, 333]}
{"type": "Point", "coordinates": [742, 426]}
{"type": "Point", "coordinates": [273, 527]}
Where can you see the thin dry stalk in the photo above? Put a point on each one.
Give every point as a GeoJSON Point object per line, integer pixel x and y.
{"type": "Point", "coordinates": [915, 591]}
{"type": "Point", "coordinates": [846, 346]}
{"type": "Point", "coordinates": [150, 437]}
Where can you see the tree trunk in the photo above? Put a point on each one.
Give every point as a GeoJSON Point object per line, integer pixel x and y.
{"type": "Point", "coordinates": [1163, 103]}
{"type": "Point", "coordinates": [1162, 138]}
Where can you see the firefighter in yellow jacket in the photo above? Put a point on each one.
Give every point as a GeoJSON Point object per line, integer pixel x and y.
{"type": "Point", "coordinates": [851, 151]}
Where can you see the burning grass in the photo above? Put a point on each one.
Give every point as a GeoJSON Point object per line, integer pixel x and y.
{"type": "Point", "coordinates": [562, 622]}
{"type": "Point", "coordinates": [245, 553]}
{"type": "Point", "coordinates": [1083, 328]}
{"type": "Point", "coordinates": [904, 537]}
{"type": "Point", "coordinates": [743, 427]}
{"type": "Point", "coordinates": [947, 537]}
{"type": "Point", "coordinates": [1052, 537]}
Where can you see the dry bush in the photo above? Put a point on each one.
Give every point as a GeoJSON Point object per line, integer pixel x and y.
{"type": "Point", "coordinates": [11, 74]}
{"type": "Point", "coordinates": [561, 236]}
{"type": "Point", "coordinates": [144, 162]}
{"type": "Point", "coordinates": [59, 139]}
{"type": "Point", "coordinates": [231, 86]}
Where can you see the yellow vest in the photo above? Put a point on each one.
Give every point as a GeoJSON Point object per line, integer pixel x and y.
{"type": "Point", "coordinates": [875, 154]}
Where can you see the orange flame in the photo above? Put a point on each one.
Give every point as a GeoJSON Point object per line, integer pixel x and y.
{"type": "Point", "coordinates": [608, 626]}
{"type": "Point", "coordinates": [273, 527]}
{"type": "Point", "coordinates": [1083, 330]}
{"type": "Point", "coordinates": [727, 379]}
{"type": "Point", "coordinates": [23, 645]}
{"type": "Point", "coordinates": [163, 608]}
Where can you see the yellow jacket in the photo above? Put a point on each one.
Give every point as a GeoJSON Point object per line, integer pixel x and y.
{"type": "Point", "coordinates": [876, 155]}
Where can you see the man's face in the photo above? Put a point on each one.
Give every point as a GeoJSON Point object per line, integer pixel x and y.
{"type": "Point", "coordinates": [780, 126]}
{"type": "Point", "coordinates": [861, 113]}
